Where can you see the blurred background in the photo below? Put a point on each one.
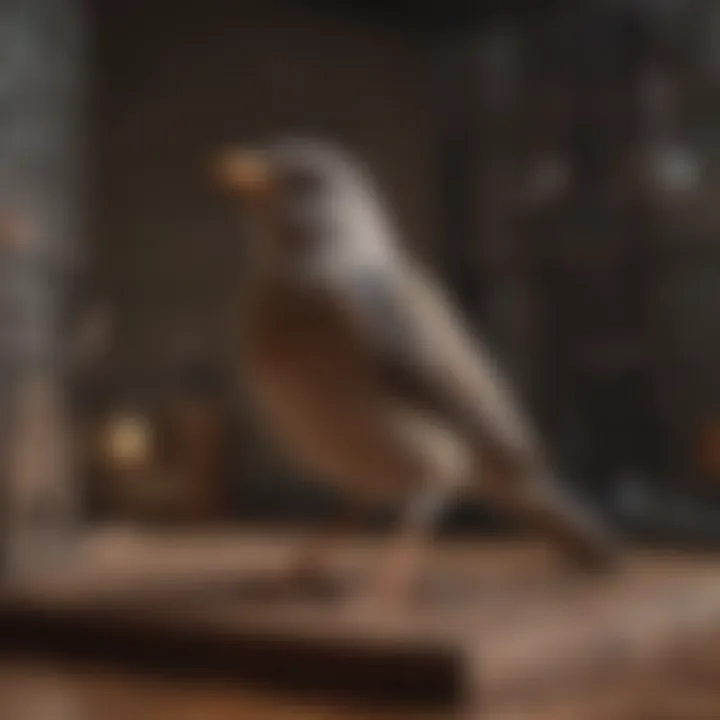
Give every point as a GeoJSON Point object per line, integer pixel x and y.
{"type": "Point", "coordinates": [555, 160]}
{"type": "Point", "coordinates": [558, 162]}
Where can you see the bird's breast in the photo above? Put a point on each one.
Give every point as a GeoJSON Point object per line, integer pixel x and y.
{"type": "Point", "coordinates": [312, 374]}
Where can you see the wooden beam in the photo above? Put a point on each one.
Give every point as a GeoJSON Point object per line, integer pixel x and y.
{"type": "Point", "coordinates": [499, 628]}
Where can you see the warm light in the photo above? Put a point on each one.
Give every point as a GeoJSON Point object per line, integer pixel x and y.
{"type": "Point", "coordinates": [707, 450]}
{"type": "Point", "coordinates": [244, 171]}
{"type": "Point", "coordinates": [128, 440]}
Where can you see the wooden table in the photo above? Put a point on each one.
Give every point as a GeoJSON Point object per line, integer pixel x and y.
{"type": "Point", "coordinates": [499, 628]}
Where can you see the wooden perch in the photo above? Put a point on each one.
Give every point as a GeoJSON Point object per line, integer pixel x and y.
{"type": "Point", "coordinates": [499, 628]}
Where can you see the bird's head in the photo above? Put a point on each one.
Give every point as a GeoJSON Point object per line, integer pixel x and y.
{"type": "Point", "coordinates": [308, 204]}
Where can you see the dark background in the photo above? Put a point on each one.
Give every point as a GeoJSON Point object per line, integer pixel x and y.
{"type": "Point", "coordinates": [600, 296]}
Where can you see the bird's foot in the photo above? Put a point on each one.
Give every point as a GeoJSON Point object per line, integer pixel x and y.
{"type": "Point", "coordinates": [597, 556]}
{"type": "Point", "coordinates": [382, 596]}
{"type": "Point", "coordinates": [312, 582]}
{"type": "Point", "coordinates": [394, 586]}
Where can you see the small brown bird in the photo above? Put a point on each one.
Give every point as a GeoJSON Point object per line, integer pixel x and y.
{"type": "Point", "coordinates": [365, 373]}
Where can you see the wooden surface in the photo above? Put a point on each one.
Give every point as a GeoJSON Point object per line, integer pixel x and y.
{"type": "Point", "coordinates": [497, 627]}
{"type": "Point", "coordinates": [44, 691]}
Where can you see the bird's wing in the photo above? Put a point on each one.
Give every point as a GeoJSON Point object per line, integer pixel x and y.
{"type": "Point", "coordinates": [419, 330]}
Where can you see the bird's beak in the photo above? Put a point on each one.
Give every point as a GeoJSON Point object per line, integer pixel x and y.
{"type": "Point", "coordinates": [247, 173]}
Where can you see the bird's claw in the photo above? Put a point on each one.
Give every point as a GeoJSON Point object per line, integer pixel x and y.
{"type": "Point", "coordinates": [393, 589]}
{"type": "Point", "coordinates": [596, 559]}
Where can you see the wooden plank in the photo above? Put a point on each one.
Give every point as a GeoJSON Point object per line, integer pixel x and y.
{"type": "Point", "coordinates": [211, 623]}
{"type": "Point", "coordinates": [501, 627]}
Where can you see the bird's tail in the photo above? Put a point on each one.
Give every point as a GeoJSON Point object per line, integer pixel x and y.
{"type": "Point", "coordinates": [540, 503]}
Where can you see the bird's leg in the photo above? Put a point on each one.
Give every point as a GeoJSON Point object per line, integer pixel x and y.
{"type": "Point", "coordinates": [395, 579]}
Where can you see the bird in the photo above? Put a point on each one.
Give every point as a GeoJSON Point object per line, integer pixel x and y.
{"type": "Point", "coordinates": [363, 370]}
